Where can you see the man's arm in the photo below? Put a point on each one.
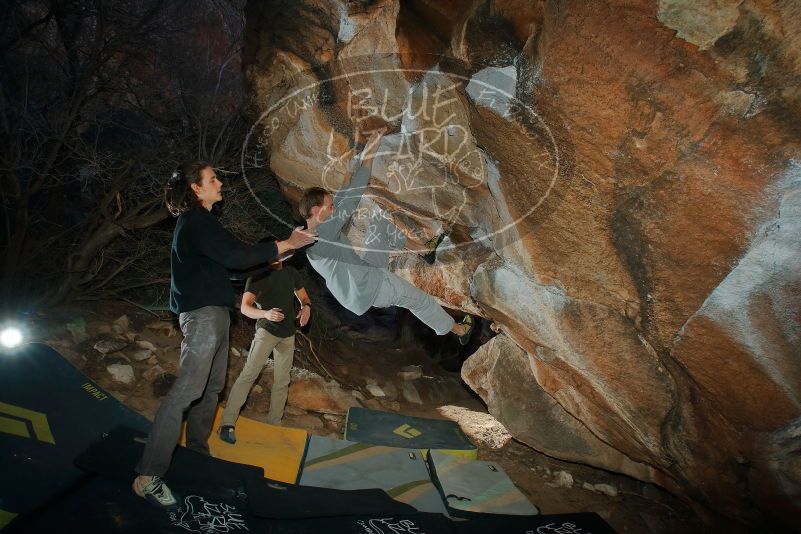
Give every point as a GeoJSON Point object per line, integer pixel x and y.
{"type": "Point", "coordinates": [220, 245]}
{"type": "Point", "coordinates": [236, 274]}
{"type": "Point", "coordinates": [249, 309]}
{"type": "Point", "coordinates": [305, 303]}
{"type": "Point", "coordinates": [299, 238]}
{"type": "Point", "coordinates": [347, 199]}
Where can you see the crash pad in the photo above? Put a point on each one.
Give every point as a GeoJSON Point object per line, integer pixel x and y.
{"type": "Point", "coordinates": [278, 450]}
{"type": "Point", "coordinates": [473, 486]}
{"type": "Point", "coordinates": [342, 464]}
{"type": "Point", "coordinates": [398, 430]}
{"type": "Point", "coordinates": [49, 412]}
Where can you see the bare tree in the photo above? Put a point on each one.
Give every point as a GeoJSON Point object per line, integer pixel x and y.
{"type": "Point", "coordinates": [100, 99]}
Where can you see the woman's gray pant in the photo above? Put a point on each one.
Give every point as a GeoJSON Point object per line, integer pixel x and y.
{"type": "Point", "coordinates": [201, 375]}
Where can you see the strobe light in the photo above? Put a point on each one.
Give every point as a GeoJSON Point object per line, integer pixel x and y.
{"type": "Point", "coordinates": [11, 337]}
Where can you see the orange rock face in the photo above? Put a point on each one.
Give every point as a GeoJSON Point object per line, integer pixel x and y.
{"type": "Point", "coordinates": [621, 186]}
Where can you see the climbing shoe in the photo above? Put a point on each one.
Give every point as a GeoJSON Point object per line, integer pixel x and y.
{"type": "Point", "coordinates": [227, 434]}
{"type": "Point", "coordinates": [431, 247]}
{"type": "Point", "coordinates": [467, 321]}
{"type": "Point", "coordinates": [156, 493]}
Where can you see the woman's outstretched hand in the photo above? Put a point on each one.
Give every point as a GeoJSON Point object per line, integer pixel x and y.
{"type": "Point", "coordinates": [300, 237]}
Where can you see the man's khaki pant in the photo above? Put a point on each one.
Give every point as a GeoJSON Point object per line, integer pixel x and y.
{"type": "Point", "coordinates": [283, 349]}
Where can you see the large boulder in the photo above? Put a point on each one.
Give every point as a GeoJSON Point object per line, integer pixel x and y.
{"type": "Point", "coordinates": [620, 184]}
{"type": "Point", "coordinates": [503, 375]}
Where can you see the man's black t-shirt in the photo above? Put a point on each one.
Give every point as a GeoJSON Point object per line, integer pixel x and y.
{"type": "Point", "coordinates": [276, 289]}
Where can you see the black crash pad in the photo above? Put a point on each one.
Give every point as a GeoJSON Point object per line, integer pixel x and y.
{"type": "Point", "coordinates": [49, 412]}
{"type": "Point", "coordinates": [214, 498]}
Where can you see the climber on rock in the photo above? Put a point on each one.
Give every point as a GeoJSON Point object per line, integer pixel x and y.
{"type": "Point", "coordinates": [361, 283]}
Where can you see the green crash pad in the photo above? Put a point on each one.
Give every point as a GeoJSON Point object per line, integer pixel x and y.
{"type": "Point", "coordinates": [404, 431]}
{"type": "Point", "coordinates": [402, 473]}
{"type": "Point", "coordinates": [471, 486]}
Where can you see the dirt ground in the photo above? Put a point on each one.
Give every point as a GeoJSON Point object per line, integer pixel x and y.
{"type": "Point", "coordinates": [553, 485]}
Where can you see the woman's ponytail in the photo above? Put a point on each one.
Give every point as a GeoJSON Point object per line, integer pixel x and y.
{"type": "Point", "coordinates": [178, 194]}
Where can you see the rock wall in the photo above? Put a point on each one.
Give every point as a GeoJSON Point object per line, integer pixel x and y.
{"type": "Point", "coordinates": [620, 182]}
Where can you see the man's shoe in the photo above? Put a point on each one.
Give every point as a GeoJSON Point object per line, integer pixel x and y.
{"type": "Point", "coordinates": [227, 434]}
{"type": "Point", "coordinates": [156, 493]}
{"type": "Point", "coordinates": [431, 245]}
{"type": "Point", "coordinates": [467, 321]}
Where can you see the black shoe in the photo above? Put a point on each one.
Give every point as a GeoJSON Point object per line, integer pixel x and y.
{"type": "Point", "coordinates": [465, 338]}
{"type": "Point", "coordinates": [227, 434]}
{"type": "Point", "coordinates": [431, 256]}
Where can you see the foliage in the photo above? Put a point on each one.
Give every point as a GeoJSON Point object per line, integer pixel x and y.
{"type": "Point", "coordinates": [99, 101]}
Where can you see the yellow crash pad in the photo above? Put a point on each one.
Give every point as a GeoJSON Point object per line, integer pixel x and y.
{"type": "Point", "coordinates": [276, 449]}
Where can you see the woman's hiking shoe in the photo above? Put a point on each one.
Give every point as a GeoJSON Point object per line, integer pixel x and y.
{"type": "Point", "coordinates": [156, 493]}
{"type": "Point", "coordinates": [467, 321]}
{"type": "Point", "coordinates": [227, 434]}
{"type": "Point", "coordinates": [431, 246]}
